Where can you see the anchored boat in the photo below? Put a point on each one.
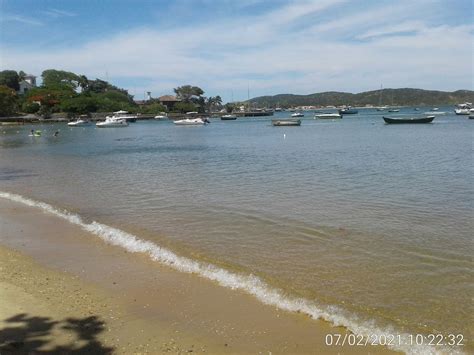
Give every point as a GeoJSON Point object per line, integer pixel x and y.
{"type": "Point", "coordinates": [111, 122]}
{"type": "Point", "coordinates": [348, 111]}
{"type": "Point", "coordinates": [425, 119]}
{"type": "Point", "coordinates": [191, 122]}
{"type": "Point", "coordinates": [228, 117]}
{"type": "Point", "coordinates": [286, 122]}
{"type": "Point", "coordinates": [323, 115]}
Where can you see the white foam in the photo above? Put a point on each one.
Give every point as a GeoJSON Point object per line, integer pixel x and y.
{"type": "Point", "coordinates": [247, 283]}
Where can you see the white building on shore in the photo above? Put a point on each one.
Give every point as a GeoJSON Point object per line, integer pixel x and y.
{"type": "Point", "coordinates": [28, 83]}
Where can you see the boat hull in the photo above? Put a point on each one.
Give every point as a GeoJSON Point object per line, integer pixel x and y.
{"type": "Point", "coordinates": [286, 123]}
{"type": "Point", "coordinates": [108, 123]}
{"type": "Point", "coordinates": [228, 118]}
{"type": "Point", "coordinates": [190, 122]}
{"type": "Point", "coordinates": [348, 112]}
{"type": "Point", "coordinates": [412, 120]}
{"type": "Point", "coordinates": [328, 116]}
{"type": "Point", "coordinates": [78, 124]}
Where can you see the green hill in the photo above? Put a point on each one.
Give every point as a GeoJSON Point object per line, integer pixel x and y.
{"type": "Point", "coordinates": [396, 97]}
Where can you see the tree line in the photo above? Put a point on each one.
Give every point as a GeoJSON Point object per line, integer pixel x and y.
{"type": "Point", "coordinates": [73, 94]}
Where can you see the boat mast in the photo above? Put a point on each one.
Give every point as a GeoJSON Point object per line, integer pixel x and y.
{"type": "Point", "coordinates": [248, 95]}
{"type": "Point", "coordinates": [380, 96]}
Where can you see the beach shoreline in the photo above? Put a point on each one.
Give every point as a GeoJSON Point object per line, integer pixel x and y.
{"type": "Point", "coordinates": [145, 306]}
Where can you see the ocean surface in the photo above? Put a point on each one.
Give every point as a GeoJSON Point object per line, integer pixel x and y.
{"type": "Point", "coordinates": [364, 224]}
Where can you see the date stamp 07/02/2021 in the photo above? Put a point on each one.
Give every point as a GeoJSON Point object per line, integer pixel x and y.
{"type": "Point", "coordinates": [350, 339]}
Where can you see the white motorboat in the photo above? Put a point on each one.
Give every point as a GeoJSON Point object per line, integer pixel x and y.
{"type": "Point", "coordinates": [191, 122]}
{"type": "Point", "coordinates": [161, 117]}
{"type": "Point", "coordinates": [462, 111]}
{"type": "Point", "coordinates": [124, 115]}
{"type": "Point", "coordinates": [228, 117]}
{"type": "Point", "coordinates": [327, 115]}
{"type": "Point", "coordinates": [81, 122]}
{"type": "Point", "coordinates": [112, 121]}
{"type": "Point", "coordinates": [382, 108]}
{"type": "Point", "coordinates": [297, 114]}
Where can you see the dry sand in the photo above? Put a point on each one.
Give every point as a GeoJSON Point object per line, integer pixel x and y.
{"type": "Point", "coordinates": [63, 289]}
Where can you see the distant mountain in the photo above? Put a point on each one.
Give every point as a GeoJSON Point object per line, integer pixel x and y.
{"type": "Point", "coordinates": [396, 97]}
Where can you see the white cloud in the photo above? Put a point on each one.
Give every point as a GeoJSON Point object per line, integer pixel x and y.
{"type": "Point", "coordinates": [261, 52]}
{"type": "Point", "coordinates": [58, 13]}
{"type": "Point", "coordinates": [21, 19]}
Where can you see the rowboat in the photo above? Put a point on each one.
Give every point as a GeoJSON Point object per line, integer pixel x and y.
{"type": "Point", "coordinates": [286, 122]}
{"type": "Point", "coordinates": [391, 120]}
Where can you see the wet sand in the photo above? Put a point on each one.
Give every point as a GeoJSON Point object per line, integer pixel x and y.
{"type": "Point", "coordinates": [108, 298]}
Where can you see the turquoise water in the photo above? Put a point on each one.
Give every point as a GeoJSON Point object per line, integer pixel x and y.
{"type": "Point", "coordinates": [373, 219]}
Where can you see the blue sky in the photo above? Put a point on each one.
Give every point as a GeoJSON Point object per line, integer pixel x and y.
{"type": "Point", "coordinates": [226, 46]}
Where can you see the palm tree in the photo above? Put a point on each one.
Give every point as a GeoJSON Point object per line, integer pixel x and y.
{"type": "Point", "coordinates": [218, 100]}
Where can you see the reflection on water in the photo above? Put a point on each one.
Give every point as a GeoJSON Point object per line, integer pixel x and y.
{"type": "Point", "coordinates": [376, 219]}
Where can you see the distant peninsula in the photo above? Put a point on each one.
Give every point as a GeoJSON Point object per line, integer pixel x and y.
{"type": "Point", "coordinates": [391, 97]}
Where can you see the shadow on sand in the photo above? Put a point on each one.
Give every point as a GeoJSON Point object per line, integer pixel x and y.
{"type": "Point", "coordinates": [27, 334]}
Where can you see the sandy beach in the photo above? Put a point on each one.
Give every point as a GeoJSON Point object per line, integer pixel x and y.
{"type": "Point", "coordinates": [62, 288]}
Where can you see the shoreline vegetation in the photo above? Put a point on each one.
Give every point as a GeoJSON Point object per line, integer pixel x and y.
{"type": "Point", "coordinates": [64, 292]}
{"type": "Point", "coordinates": [68, 95]}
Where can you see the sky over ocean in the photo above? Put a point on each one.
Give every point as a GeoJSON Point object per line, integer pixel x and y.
{"type": "Point", "coordinates": [229, 47]}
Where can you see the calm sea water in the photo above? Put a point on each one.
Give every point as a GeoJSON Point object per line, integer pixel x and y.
{"type": "Point", "coordinates": [373, 219]}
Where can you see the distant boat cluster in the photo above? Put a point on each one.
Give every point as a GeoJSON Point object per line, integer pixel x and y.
{"type": "Point", "coordinates": [122, 118]}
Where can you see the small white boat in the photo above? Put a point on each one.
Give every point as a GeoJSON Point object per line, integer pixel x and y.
{"type": "Point", "coordinates": [228, 117]}
{"type": "Point", "coordinates": [462, 111]}
{"type": "Point", "coordinates": [430, 113]}
{"type": "Point", "coordinates": [112, 121]}
{"type": "Point", "coordinates": [161, 117]}
{"type": "Point", "coordinates": [191, 122]}
{"type": "Point", "coordinates": [124, 115]}
{"type": "Point", "coordinates": [382, 108]}
{"type": "Point", "coordinates": [79, 123]}
{"type": "Point", "coordinates": [394, 110]}
{"type": "Point", "coordinates": [278, 109]}
{"type": "Point", "coordinates": [327, 115]}
{"type": "Point", "coordinates": [297, 114]}
{"type": "Point", "coordinates": [434, 109]}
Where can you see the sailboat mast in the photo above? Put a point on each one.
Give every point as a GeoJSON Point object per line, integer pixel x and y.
{"type": "Point", "coordinates": [380, 96]}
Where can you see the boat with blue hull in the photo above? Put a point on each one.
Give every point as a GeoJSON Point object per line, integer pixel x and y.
{"type": "Point", "coordinates": [348, 111]}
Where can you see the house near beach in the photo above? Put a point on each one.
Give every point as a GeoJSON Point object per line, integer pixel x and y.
{"type": "Point", "coordinates": [168, 101]}
{"type": "Point", "coordinates": [28, 83]}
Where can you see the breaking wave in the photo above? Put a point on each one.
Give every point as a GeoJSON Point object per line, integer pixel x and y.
{"type": "Point", "coordinates": [246, 283]}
